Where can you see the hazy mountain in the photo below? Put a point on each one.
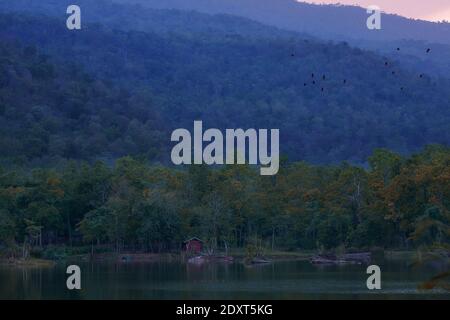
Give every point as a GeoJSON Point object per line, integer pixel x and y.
{"type": "Point", "coordinates": [336, 22]}
{"type": "Point", "coordinates": [331, 102]}
{"type": "Point", "coordinates": [137, 17]}
{"type": "Point", "coordinates": [329, 21]}
{"type": "Point", "coordinates": [332, 22]}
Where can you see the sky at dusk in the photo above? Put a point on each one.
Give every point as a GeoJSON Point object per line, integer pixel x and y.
{"type": "Point", "coordinates": [433, 10]}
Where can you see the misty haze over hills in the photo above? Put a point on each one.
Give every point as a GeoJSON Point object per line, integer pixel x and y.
{"type": "Point", "coordinates": [327, 21]}
{"type": "Point", "coordinates": [136, 17]}
{"type": "Point", "coordinates": [339, 23]}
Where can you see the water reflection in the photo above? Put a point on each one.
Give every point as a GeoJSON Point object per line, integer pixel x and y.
{"type": "Point", "coordinates": [176, 280]}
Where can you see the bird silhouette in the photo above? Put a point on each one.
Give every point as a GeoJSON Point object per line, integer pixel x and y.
{"type": "Point", "coordinates": [398, 49]}
{"type": "Point", "coordinates": [345, 81]}
{"type": "Point", "coordinates": [393, 72]}
{"type": "Point", "coordinates": [322, 89]}
{"type": "Point", "coordinates": [428, 50]}
{"type": "Point", "coordinates": [421, 76]}
{"type": "Point", "coordinates": [386, 63]}
{"type": "Point", "coordinates": [314, 82]}
{"type": "Point", "coordinates": [312, 75]}
{"type": "Point", "coordinates": [323, 77]}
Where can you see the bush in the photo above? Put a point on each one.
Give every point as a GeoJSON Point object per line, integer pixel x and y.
{"type": "Point", "coordinates": [54, 253]}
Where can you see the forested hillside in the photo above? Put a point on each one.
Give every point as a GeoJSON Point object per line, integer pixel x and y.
{"type": "Point", "coordinates": [327, 21]}
{"type": "Point", "coordinates": [330, 101]}
{"type": "Point", "coordinates": [338, 23]}
{"type": "Point", "coordinates": [114, 15]}
{"type": "Point", "coordinates": [53, 112]}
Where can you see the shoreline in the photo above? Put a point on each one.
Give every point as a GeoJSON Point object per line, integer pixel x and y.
{"type": "Point", "coordinates": [28, 263]}
{"type": "Point", "coordinates": [136, 257]}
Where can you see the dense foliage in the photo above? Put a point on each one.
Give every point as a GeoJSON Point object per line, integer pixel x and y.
{"type": "Point", "coordinates": [323, 21]}
{"type": "Point", "coordinates": [139, 18]}
{"type": "Point", "coordinates": [227, 82]}
{"type": "Point", "coordinates": [53, 112]}
{"type": "Point", "coordinates": [397, 203]}
{"type": "Point", "coordinates": [85, 115]}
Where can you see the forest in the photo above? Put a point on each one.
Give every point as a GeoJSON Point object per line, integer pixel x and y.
{"type": "Point", "coordinates": [397, 202]}
{"type": "Point", "coordinates": [106, 93]}
{"type": "Point", "coordinates": [86, 117]}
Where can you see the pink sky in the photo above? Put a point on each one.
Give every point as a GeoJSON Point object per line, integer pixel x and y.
{"type": "Point", "coordinates": [433, 10]}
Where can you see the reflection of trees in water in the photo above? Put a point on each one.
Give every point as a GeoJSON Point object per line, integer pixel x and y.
{"type": "Point", "coordinates": [437, 256]}
{"type": "Point", "coordinates": [210, 271]}
{"type": "Point", "coordinates": [25, 283]}
{"type": "Point", "coordinates": [433, 226]}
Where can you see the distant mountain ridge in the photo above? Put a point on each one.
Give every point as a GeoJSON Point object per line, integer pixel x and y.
{"type": "Point", "coordinates": [113, 15]}
{"type": "Point", "coordinates": [337, 23]}
{"type": "Point", "coordinates": [240, 18]}
{"type": "Point", "coordinates": [329, 21]}
{"type": "Point", "coordinates": [333, 22]}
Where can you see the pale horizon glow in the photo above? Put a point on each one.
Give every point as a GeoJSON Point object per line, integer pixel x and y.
{"type": "Point", "coordinates": [431, 10]}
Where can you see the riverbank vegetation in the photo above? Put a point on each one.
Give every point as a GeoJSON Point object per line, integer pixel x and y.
{"type": "Point", "coordinates": [397, 202]}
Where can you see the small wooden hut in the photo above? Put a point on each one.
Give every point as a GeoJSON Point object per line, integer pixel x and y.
{"type": "Point", "coordinates": [193, 246]}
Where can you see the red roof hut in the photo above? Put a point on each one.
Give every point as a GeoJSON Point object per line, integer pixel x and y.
{"type": "Point", "coordinates": [193, 245]}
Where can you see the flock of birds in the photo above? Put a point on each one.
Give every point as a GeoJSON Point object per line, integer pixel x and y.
{"type": "Point", "coordinates": [315, 80]}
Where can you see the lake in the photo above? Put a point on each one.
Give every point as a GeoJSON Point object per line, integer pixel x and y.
{"type": "Point", "coordinates": [176, 280]}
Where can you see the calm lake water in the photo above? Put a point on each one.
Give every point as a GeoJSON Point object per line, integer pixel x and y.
{"type": "Point", "coordinates": [175, 280]}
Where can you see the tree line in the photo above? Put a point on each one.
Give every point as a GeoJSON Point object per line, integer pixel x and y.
{"type": "Point", "coordinates": [396, 202]}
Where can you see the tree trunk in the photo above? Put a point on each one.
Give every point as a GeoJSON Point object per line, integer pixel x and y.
{"type": "Point", "coordinates": [69, 229]}
{"type": "Point", "coordinates": [273, 237]}
{"type": "Point", "coordinates": [226, 248]}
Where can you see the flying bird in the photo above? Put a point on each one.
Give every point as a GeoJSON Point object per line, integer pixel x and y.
{"type": "Point", "coordinates": [428, 50]}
